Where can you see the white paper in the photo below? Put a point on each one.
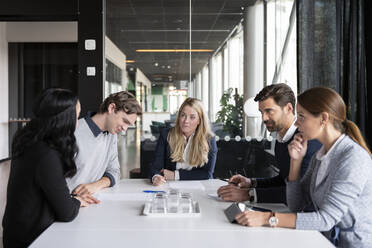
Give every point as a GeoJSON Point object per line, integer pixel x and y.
{"type": "Point", "coordinates": [215, 197]}
{"type": "Point", "coordinates": [123, 196]}
{"type": "Point", "coordinates": [194, 185]}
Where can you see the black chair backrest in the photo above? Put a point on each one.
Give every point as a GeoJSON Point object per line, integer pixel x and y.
{"type": "Point", "coordinates": [147, 156]}
{"type": "Point", "coordinates": [155, 130]}
{"type": "Point", "coordinates": [247, 158]}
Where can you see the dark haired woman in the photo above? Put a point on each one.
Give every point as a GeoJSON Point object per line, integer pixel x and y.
{"type": "Point", "coordinates": [338, 182]}
{"type": "Point", "coordinates": [42, 157]}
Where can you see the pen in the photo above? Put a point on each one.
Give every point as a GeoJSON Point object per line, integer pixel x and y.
{"type": "Point", "coordinates": [225, 180]}
{"type": "Point", "coordinates": [154, 191]}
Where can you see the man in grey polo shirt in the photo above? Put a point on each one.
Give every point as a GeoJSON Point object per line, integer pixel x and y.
{"type": "Point", "coordinates": [96, 137]}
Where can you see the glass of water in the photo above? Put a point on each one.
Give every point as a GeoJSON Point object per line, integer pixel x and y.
{"type": "Point", "coordinates": [173, 200]}
{"type": "Point", "coordinates": [159, 203]}
{"type": "Point", "coordinates": [185, 204]}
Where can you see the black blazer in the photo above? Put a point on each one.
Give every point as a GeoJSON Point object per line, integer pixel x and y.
{"type": "Point", "coordinates": [37, 195]}
{"type": "Point", "coordinates": [163, 161]}
{"type": "Point", "coordinates": [273, 190]}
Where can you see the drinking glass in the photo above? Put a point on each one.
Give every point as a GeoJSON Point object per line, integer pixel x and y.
{"type": "Point", "coordinates": [173, 200]}
{"type": "Point", "coordinates": [185, 203]}
{"type": "Point", "coordinates": [159, 203]}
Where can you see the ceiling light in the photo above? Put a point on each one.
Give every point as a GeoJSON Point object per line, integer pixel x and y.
{"type": "Point", "coordinates": [168, 66]}
{"type": "Point", "coordinates": [173, 50]}
{"type": "Point", "coordinates": [156, 64]}
{"type": "Point", "coordinates": [130, 61]}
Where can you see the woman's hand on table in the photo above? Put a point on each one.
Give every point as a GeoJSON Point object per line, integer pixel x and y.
{"type": "Point", "coordinates": [253, 218]}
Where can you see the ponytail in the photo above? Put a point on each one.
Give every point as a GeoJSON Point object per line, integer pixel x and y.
{"type": "Point", "coordinates": [321, 99]}
{"type": "Point", "coordinates": [354, 133]}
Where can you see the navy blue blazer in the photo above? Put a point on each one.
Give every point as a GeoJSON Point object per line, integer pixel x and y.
{"type": "Point", "coordinates": [162, 160]}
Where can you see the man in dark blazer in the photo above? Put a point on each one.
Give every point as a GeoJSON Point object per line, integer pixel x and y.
{"type": "Point", "coordinates": [277, 106]}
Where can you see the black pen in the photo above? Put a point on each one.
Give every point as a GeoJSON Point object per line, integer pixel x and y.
{"type": "Point", "coordinates": [226, 180]}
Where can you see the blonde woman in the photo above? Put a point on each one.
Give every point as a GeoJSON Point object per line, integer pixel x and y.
{"type": "Point", "coordinates": [187, 151]}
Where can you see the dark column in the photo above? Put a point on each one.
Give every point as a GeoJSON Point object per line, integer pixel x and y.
{"type": "Point", "coordinates": [91, 26]}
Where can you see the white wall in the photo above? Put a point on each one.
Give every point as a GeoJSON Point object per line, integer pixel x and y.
{"type": "Point", "coordinates": [114, 54]}
{"type": "Point", "coordinates": [42, 32]}
{"type": "Point", "coordinates": [140, 77]}
{"type": "Point", "coordinates": [4, 110]}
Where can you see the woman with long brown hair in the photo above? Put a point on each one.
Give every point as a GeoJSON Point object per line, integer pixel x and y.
{"type": "Point", "coordinates": [337, 187]}
{"type": "Point", "coordinates": [187, 151]}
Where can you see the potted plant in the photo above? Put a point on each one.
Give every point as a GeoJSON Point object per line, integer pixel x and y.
{"type": "Point", "coordinates": [231, 113]}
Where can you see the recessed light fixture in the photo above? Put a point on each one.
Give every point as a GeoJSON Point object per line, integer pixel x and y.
{"type": "Point", "coordinates": [156, 64]}
{"type": "Point", "coordinates": [168, 66]}
{"type": "Point", "coordinates": [130, 61]}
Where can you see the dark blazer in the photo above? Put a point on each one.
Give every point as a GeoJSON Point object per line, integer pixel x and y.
{"type": "Point", "coordinates": [273, 190]}
{"type": "Point", "coordinates": [37, 195]}
{"type": "Point", "coordinates": [163, 161]}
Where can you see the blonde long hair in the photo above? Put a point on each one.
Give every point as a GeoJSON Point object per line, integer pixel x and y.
{"type": "Point", "coordinates": [321, 99]}
{"type": "Point", "coordinates": [199, 149]}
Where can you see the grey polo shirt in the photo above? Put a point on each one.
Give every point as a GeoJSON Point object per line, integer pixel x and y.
{"type": "Point", "coordinates": [97, 156]}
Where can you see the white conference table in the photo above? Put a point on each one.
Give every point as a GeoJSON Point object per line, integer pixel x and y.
{"type": "Point", "coordinates": [118, 221]}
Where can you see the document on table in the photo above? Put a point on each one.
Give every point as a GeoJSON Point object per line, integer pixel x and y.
{"type": "Point", "coordinates": [123, 196]}
{"type": "Point", "coordinates": [215, 196]}
{"type": "Point", "coordinates": [192, 185]}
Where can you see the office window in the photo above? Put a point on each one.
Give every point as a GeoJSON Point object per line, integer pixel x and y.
{"type": "Point", "coordinates": [217, 82]}
{"type": "Point", "coordinates": [114, 78]}
{"type": "Point", "coordinates": [236, 52]}
{"type": "Point", "coordinates": [225, 68]}
{"type": "Point", "coordinates": [198, 86]}
{"type": "Point", "coordinates": [281, 43]}
{"type": "Point", "coordinates": [205, 87]}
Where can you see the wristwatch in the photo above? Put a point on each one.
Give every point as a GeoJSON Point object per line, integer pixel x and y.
{"type": "Point", "coordinates": [273, 221]}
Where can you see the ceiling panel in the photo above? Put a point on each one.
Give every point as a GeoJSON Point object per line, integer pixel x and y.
{"type": "Point", "coordinates": [149, 24]}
